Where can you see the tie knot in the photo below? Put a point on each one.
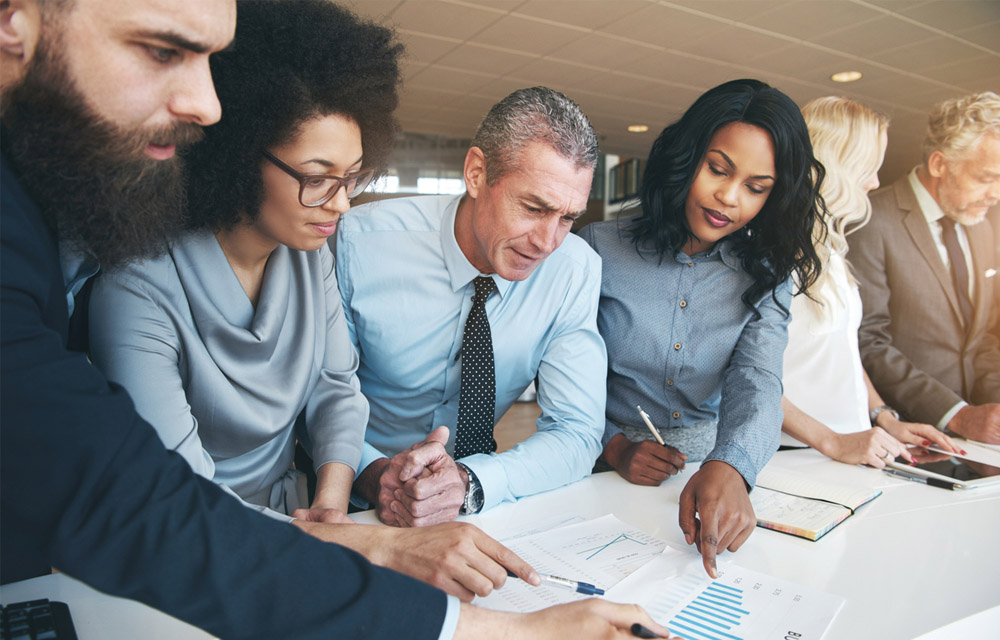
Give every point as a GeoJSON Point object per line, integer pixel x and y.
{"type": "Point", "coordinates": [484, 287]}
{"type": "Point", "coordinates": [947, 224]}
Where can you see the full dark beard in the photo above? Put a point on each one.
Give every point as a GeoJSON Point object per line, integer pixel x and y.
{"type": "Point", "coordinates": [92, 181]}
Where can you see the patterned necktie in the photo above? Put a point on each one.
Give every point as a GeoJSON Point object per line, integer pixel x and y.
{"type": "Point", "coordinates": [959, 269]}
{"type": "Point", "coordinates": [477, 396]}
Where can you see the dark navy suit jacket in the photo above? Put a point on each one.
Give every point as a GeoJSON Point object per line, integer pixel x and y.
{"type": "Point", "coordinates": [87, 487]}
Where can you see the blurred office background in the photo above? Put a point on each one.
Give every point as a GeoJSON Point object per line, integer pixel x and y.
{"type": "Point", "coordinates": [640, 63]}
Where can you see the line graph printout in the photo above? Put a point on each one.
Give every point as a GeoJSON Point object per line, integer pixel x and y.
{"type": "Point", "coordinates": [601, 551]}
{"type": "Point", "coordinates": [739, 605]}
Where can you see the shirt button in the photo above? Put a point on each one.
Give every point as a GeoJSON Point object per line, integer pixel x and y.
{"type": "Point", "coordinates": [677, 346]}
{"type": "Point", "coordinates": [683, 303]}
{"type": "Point", "coordinates": [677, 414]}
{"type": "Point", "coordinates": [670, 383]}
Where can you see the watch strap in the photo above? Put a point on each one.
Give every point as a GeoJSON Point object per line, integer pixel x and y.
{"type": "Point", "coordinates": [874, 413]}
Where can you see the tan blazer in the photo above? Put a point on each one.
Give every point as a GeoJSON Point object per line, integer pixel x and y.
{"type": "Point", "coordinates": [913, 344]}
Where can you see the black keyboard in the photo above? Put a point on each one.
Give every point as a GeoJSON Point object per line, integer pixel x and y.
{"type": "Point", "coordinates": [36, 620]}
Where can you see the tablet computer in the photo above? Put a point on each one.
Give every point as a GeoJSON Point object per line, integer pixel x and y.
{"type": "Point", "coordinates": [963, 472]}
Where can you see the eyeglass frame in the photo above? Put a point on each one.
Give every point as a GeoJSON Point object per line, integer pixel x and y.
{"type": "Point", "coordinates": [341, 182]}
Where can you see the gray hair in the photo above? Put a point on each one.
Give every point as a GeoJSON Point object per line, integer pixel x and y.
{"type": "Point", "coordinates": [955, 126]}
{"type": "Point", "coordinates": [538, 114]}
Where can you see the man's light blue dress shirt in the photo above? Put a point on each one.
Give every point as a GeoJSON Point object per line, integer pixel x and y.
{"type": "Point", "coordinates": [682, 344]}
{"type": "Point", "coordinates": [407, 290]}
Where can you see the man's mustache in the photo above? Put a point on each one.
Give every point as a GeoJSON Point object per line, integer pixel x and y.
{"type": "Point", "coordinates": [181, 134]}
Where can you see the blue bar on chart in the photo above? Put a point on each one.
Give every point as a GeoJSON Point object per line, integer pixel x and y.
{"type": "Point", "coordinates": [714, 614]}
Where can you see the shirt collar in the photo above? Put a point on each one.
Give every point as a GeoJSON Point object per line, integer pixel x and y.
{"type": "Point", "coordinates": [460, 270]}
{"type": "Point", "coordinates": [77, 267]}
{"type": "Point", "coordinates": [928, 205]}
{"type": "Point", "coordinates": [723, 250]}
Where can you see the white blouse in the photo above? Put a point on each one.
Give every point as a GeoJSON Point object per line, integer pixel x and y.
{"type": "Point", "coordinates": [823, 375]}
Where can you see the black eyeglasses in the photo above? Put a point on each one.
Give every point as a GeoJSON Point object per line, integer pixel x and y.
{"type": "Point", "coordinates": [315, 190]}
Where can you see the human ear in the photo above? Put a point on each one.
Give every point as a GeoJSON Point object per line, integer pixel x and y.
{"type": "Point", "coordinates": [474, 171]}
{"type": "Point", "coordinates": [20, 24]}
{"type": "Point", "coordinates": [937, 165]}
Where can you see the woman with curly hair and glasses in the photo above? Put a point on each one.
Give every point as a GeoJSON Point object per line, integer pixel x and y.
{"type": "Point", "coordinates": [694, 302]}
{"type": "Point", "coordinates": [830, 403]}
{"type": "Point", "coordinates": [234, 344]}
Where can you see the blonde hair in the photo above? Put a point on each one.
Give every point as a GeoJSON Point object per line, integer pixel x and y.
{"type": "Point", "coordinates": [956, 126]}
{"type": "Point", "coordinates": [846, 137]}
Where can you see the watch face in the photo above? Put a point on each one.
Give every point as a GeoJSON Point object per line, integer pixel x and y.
{"type": "Point", "coordinates": [474, 494]}
{"type": "Point", "coordinates": [476, 499]}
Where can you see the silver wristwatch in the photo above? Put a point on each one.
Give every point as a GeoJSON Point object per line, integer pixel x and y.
{"type": "Point", "coordinates": [874, 413]}
{"type": "Point", "coordinates": [473, 502]}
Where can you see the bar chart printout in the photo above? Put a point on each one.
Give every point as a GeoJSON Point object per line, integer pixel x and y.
{"type": "Point", "coordinates": [739, 605]}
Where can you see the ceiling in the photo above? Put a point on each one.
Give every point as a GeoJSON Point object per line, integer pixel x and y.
{"type": "Point", "coordinates": [644, 61]}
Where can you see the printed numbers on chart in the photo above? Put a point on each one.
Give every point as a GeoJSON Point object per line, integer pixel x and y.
{"type": "Point", "coordinates": [791, 635]}
{"type": "Point", "coordinates": [797, 597]}
{"type": "Point", "coordinates": [777, 592]}
{"type": "Point", "coordinates": [757, 586]}
{"type": "Point", "coordinates": [737, 580]}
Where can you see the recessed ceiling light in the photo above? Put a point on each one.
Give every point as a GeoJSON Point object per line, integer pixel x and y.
{"type": "Point", "coordinates": [846, 76]}
{"type": "Point", "coordinates": [637, 128]}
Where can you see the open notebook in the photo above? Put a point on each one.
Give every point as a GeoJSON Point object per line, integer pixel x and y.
{"type": "Point", "coordinates": [797, 504]}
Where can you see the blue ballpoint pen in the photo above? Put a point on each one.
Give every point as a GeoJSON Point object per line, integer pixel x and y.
{"type": "Point", "coordinates": [580, 587]}
{"type": "Point", "coordinates": [573, 585]}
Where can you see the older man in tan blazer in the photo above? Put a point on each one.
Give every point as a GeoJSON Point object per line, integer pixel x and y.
{"type": "Point", "coordinates": [927, 269]}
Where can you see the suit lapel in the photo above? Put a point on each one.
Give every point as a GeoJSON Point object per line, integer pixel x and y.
{"type": "Point", "coordinates": [916, 225]}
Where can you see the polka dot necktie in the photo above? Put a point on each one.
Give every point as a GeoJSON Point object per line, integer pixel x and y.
{"type": "Point", "coordinates": [959, 270]}
{"type": "Point", "coordinates": [477, 396]}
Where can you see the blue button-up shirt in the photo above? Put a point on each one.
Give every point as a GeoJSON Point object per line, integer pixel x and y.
{"type": "Point", "coordinates": [407, 290]}
{"type": "Point", "coordinates": [682, 344]}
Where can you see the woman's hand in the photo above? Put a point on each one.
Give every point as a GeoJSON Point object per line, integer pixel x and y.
{"type": "Point", "coordinates": [873, 447]}
{"type": "Point", "coordinates": [923, 435]}
{"type": "Point", "coordinates": [715, 512]}
{"type": "Point", "coordinates": [645, 462]}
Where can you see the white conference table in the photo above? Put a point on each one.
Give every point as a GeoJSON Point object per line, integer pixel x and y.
{"type": "Point", "coordinates": [917, 561]}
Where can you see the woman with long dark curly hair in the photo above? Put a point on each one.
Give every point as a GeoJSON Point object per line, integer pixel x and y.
{"type": "Point", "coordinates": [694, 302]}
{"type": "Point", "coordinates": [235, 342]}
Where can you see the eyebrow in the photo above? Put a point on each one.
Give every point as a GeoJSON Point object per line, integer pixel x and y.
{"type": "Point", "coordinates": [542, 204]}
{"type": "Point", "coordinates": [732, 165]}
{"type": "Point", "coordinates": [330, 165]}
{"type": "Point", "coordinates": [177, 40]}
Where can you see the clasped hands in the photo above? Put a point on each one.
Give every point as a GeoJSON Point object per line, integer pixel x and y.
{"type": "Point", "coordinates": [418, 487]}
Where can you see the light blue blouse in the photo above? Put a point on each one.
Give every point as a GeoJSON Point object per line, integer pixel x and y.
{"type": "Point", "coordinates": [224, 383]}
{"type": "Point", "coordinates": [682, 344]}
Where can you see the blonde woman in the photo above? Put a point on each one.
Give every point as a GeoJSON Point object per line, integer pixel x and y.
{"type": "Point", "coordinates": [829, 402]}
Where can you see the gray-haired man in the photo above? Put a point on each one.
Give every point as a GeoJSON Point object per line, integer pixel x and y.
{"type": "Point", "coordinates": [435, 352]}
